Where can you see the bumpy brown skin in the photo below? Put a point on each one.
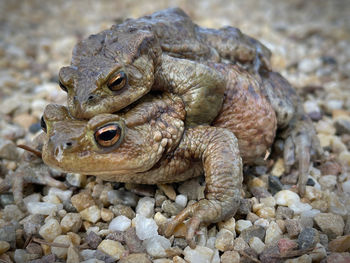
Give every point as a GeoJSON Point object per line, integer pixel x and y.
{"type": "Point", "coordinates": [166, 51]}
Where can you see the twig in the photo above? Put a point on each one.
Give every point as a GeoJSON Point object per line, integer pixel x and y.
{"type": "Point", "coordinates": [30, 149]}
{"type": "Point", "coordinates": [51, 244]}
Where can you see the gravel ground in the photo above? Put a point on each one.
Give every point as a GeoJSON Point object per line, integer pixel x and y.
{"type": "Point", "coordinates": [90, 220]}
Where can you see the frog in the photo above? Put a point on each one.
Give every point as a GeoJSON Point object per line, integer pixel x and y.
{"type": "Point", "coordinates": [255, 112]}
{"type": "Point", "coordinates": [163, 51]}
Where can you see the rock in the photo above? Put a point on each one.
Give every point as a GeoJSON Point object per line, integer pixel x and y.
{"type": "Point", "coordinates": [313, 110]}
{"type": "Point", "coordinates": [308, 65]}
{"type": "Point", "coordinates": [266, 212]}
{"type": "Point", "coordinates": [145, 207]}
{"type": "Point", "coordinates": [302, 259]}
{"type": "Point", "coordinates": [12, 212]}
{"type": "Point", "coordinates": [156, 246]}
{"type": "Point", "coordinates": [8, 150]}
{"type": "Point", "coordinates": [242, 224]}
{"type": "Point", "coordinates": [328, 181]}
{"type": "Point", "coordinates": [278, 168]}
{"type": "Point", "coordinates": [286, 198]}
{"type": "Point", "coordinates": [273, 234]}
{"type": "Point", "coordinates": [168, 190]}
{"type": "Point", "coordinates": [132, 241]}
{"type": "Point", "coordinates": [71, 222]}
{"type": "Point", "coordinates": [346, 186]}
{"type": "Point", "coordinates": [224, 240]}
{"type": "Point", "coordinates": [191, 188]}
{"type": "Point", "coordinates": [113, 248]}
{"type": "Point", "coordinates": [171, 208]}
{"type": "Point", "coordinates": [77, 180]}
{"type": "Point", "coordinates": [253, 231]}
{"type": "Point", "coordinates": [229, 224]}
{"type": "Point", "coordinates": [50, 230]}
{"type": "Point", "coordinates": [245, 207]}
{"type": "Point", "coordinates": [300, 207]}
{"type": "Point", "coordinates": [21, 256]}
{"type": "Point", "coordinates": [262, 222]}
{"type": "Point", "coordinates": [106, 214]}
{"type": "Point", "coordinates": [137, 257]}
{"type": "Point", "coordinates": [340, 244]}
{"type": "Point", "coordinates": [284, 213]}
{"type": "Point", "coordinates": [93, 240]}
{"type": "Point", "coordinates": [293, 227]}
{"type": "Point", "coordinates": [330, 224]}
{"type": "Point", "coordinates": [271, 254]}
{"type": "Point", "coordinates": [123, 210]}
{"type": "Point", "coordinates": [285, 245]}
{"type": "Point", "coordinates": [145, 227]}
{"type": "Point", "coordinates": [120, 223]}
{"type": "Point", "coordinates": [122, 197]}
{"type": "Point", "coordinates": [332, 104]}
{"type": "Point", "coordinates": [331, 167]}
{"type": "Point", "coordinates": [181, 200]}
{"type": "Point", "coordinates": [82, 201]}
{"type": "Point", "coordinates": [178, 259]}
{"type": "Point", "coordinates": [239, 244]}
{"type": "Point", "coordinates": [73, 255]}
{"type": "Point", "coordinates": [318, 253]}
{"type": "Point", "coordinates": [198, 255]}
{"type": "Point", "coordinates": [4, 246]}
{"type": "Point", "coordinates": [63, 195]}
{"type": "Point", "coordinates": [339, 258]}
{"type": "Point", "coordinates": [51, 258]}
{"type": "Point", "coordinates": [342, 126]}
{"type": "Point", "coordinates": [308, 238]}
{"type": "Point", "coordinates": [8, 234]}
{"type": "Point", "coordinates": [43, 208]}
{"type": "Point", "coordinates": [91, 214]}
{"type": "Point", "coordinates": [256, 244]}
{"type": "Point", "coordinates": [61, 252]}
{"type": "Point", "coordinates": [230, 257]}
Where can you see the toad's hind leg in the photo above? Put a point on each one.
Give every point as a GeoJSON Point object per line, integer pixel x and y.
{"type": "Point", "coordinates": [217, 148]}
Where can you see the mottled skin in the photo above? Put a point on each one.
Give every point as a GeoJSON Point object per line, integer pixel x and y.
{"type": "Point", "coordinates": [166, 51]}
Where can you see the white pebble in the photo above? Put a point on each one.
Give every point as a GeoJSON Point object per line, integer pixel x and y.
{"type": "Point", "coordinates": [346, 186]}
{"type": "Point", "coordinates": [145, 207]}
{"type": "Point", "coordinates": [300, 207]}
{"type": "Point", "coordinates": [43, 208]}
{"type": "Point", "coordinates": [181, 200]}
{"type": "Point", "coordinates": [156, 246]}
{"type": "Point", "coordinates": [64, 195]}
{"type": "Point", "coordinates": [273, 233]}
{"type": "Point", "coordinates": [311, 106]}
{"type": "Point", "coordinates": [61, 252]}
{"type": "Point", "coordinates": [198, 255]}
{"type": "Point", "coordinates": [262, 222]}
{"type": "Point", "coordinates": [91, 214]}
{"type": "Point", "coordinates": [242, 224]}
{"type": "Point", "coordinates": [286, 197]}
{"type": "Point", "coordinates": [120, 223]}
{"type": "Point", "coordinates": [50, 230]}
{"type": "Point", "coordinates": [145, 227]}
{"type": "Point", "coordinates": [256, 244]}
{"type": "Point", "coordinates": [310, 213]}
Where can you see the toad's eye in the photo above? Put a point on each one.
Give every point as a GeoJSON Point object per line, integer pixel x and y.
{"type": "Point", "coordinates": [117, 81]}
{"type": "Point", "coordinates": [43, 124]}
{"type": "Point", "coordinates": [108, 135]}
{"type": "Point", "coordinates": [63, 87]}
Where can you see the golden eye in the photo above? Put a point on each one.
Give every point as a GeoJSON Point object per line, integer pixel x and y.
{"type": "Point", "coordinates": [63, 87]}
{"type": "Point", "coordinates": [108, 135]}
{"type": "Point", "coordinates": [117, 82]}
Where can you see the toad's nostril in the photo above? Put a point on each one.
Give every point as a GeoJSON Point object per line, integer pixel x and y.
{"type": "Point", "coordinates": [91, 97]}
{"type": "Point", "coordinates": [69, 144]}
{"type": "Point", "coordinates": [75, 99]}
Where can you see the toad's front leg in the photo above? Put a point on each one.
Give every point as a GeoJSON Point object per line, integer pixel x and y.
{"type": "Point", "coordinates": [218, 151]}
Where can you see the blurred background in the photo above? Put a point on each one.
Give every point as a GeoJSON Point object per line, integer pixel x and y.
{"type": "Point", "coordinates": [309, 39]}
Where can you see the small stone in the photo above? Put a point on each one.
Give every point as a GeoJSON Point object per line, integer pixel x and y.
{"type": "Point", "coordinates": [299, 207]}
{"type": "Point", "coordinates": [328, 181]}
{"type": "Point", "coordinates": [302, 259]}
{"type": "Point", "coordinates": [160, 219]}
{"type": "Point", "coordinates": [346, 186]}
{"type": "Point", "coordinates": [308, 65]}
{"type": "Point", "coordinates": [342, 126]}
{"type": "Point", "coordinates": [82, 201]}
{"type": "Point", "coordinates": [61, 252]}
{"type": "Point", "coordinates": [104, 257]}
{"type": "Point", "coordinates": [136, 258]}
{"type": "Point", "coordinates": [43, 208]}
{"type": "Point", "coordinates": [339, 258]}
{"type": "Point", "coordinates": [230, 257]}
{"type": "Point", "coordinates": [198, 255]}
{"type": "Point", "coordinates": [113, 248]}
{"type": "Point", "coordinates": [156, 246]}
{"type": "Point", "coordinates": [71, 222]}
{"type": "Point", "coordinates": [50, 230]}
{"type": "Point", "coordinates": [75, 238]}
{"type": "Point", "coordinates": [171, 208]}
{"type": "Point", "coordinates": [284, 212]}
{"type": "Point", "coordinates": [308, 238]}
{"type": "Point", "coordinates": [245, 207]}
{"type": "Point", "coordinates": [224, 240]}
{"type": "Point", "coordinates": [253, 231]}
{"type": "Point", "coordinates": [332, 105]}
{"type": "Point", "coordinates": [145, 207]}
{"type": "Point", "coordinates": [77, 180]}
{"type": "Point", "coordinates": [266, 212]}
{"type": "Point", "coordinates": [178, 259]}
{"type": "Point", "coordinates": [120, 223]}
{"type": "Point", "coordinates": [262, 222]}
{"type": "Point", "coordinates": [293, 227]}
{"type": "Point", "coordinates": [63, 195]}
{"type": "Point", "coordinates": [22, 256]}
{"type": "Point", "coordinates": [330, 224]}
{"type": "Point", "coordinates": [4, 246]}
{"type": "Point", "coordinates": [340, 244]}
{"type": "Point", "coordinates": [73, 255]}
{"type": "Point", "coordinates": [191, 188]}
{"type": "Point", "coordinates": [181, 200]}
{"type": "Point", "coordinates": [285, 245]}
{"type": "Point", "coordinates": [318, 253]}
{"type": "Point", "coordinates": [145, 227]}
{"type": "Point", "coordinates": [91, 214]}
{"type": "Point", "coordinates": [106, 214]}
{"type": "Point", "coordinates": [268, 201]}
{"type": "Point", "coordinates": [278, 168]}
{"type": "Point", "coordinates": [286, 198]}
{"type": "Point", "coordinates": [331, 167]}
{"type": "Point", "coordinates": [344, 158]}
{"type": "Point", "coordinates": [133, 243]}
{"type": "Point", "coordinates": [168, 190]}
{"type": "Point", "coordinates": [229, 224]}
{"type": "Point", "coordinates": [12, 212]}
{"type": "Point", "coordinates": [239, 244]}
{"type": "Point", "coordinates": [8, 234]}
{"type": "Point", "coordinates": [242, 224]}
{"type": "Point", "coordinates": [123, 210]}
{"type": "Point", "coordinates": [273, 234]}
{"type": "Point", "coordinates": [122, 197]}
{"type": "Point", "coordinates": [271, 254]}
{"type": "Point", "coordinates": [93, 240]}
{"type": "Point", "coordinates": [256, 244]}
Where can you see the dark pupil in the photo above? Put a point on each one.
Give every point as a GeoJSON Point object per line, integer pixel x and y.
{"type": "Point", "coordinates": [62, 86]}
{"type": "Point", "coordinates": [108, 135]}
{"type": "Point", "coordinates": [43, 123]}
{"type": "Point", "coordinates": [118, 81]}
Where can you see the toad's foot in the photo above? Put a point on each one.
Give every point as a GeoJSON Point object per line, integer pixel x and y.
{"type": "Point", "coordinates": [301, 145]}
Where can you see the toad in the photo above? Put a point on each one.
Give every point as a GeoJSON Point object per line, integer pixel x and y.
{"type": "Point", "coordinates": [163, 51]}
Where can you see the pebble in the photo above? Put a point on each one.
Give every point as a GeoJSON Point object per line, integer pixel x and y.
{"type": "Point", "coordinates": [340, 244]}
{"type": "Point", "coordinates": [168, 190]}
{"type": "Point", "coordinates": [171, 208]}
{"type": "Point", "coordinates": [106, 214]}
{"type": "Point", "coordinates": [93, 239]}
{"type": "Point", "coordinates": [342, 126]}
{"type": "Point", "coordinates": [61, 252]}
{"type": "Point", "coordinates": [278, 168]}
{"type": "Point", "coordinates": [71, 222]}
{"type": "Point", "coordinates": [181, 200]}
{"type": "Point", "coordinates": [224, 240]}
{"type": "Point", "coordinates": [8, 150]}
{"type": "Point", "coordinates": [286, 198]}
{"type": "Point", "coordinates": [12, 212]}
{"type": "Point", "coordinates": [100, 255]}
{"type": "Point", "coordinates": [308, 65]}
{"type": "Point", "coordinates": [91, 214]}
{"type": "Point", "coordinates": [77, 180]}
{"type": "Point", "coordinates": [283, 212]}
{"type": "Point", "coordinates": [308, 238]}
{"type": "Point", "coordinates": [239, 244]}
{"type": "Point", "coordinates": [293, 227]}
{"type": "Point", "coordinates": [312, 109]}
{"type": "Point", "coordinates": [253, 231]}
{"type": "Point", "coordinates": [22, 256]}
{"type": "Point", "coordinates": [285, 245]}
{"type": "Point", "coordinates": [120, 223]}
{"type": "Point", "coordinates": [122, 197]}
{"type": "Point", "coordinates": [229, 224]}
{"type": "Point", "coordinates": [123, 210]}
{"type": "Point", "coordinates": [73, 255]}
{"type": "Point", "coordinates": [4, 246]}
{"type": "Point", "coordinates": [256, 244]}
{"type": "Point", "coordinates": [145, 227]}
{"type": "Point", "coordinates": [266, 212]}
{"type": "Point", "coordinates": [191, 188]}
{"type": "Point", "coordinates": [50, 230]}
{"type": "Point", "coordinates": [318, 253]}
{"type": "Point", "coordinates": [113, 248]}
{"type": "Point", "coordinates": [273, 233]}
{"type": "Point", "coordinates": [136, 258]}
{"type": "Point", "coordinates": [328, 181]}
{"type": "Point", "coordinates": [242, 224]}
{"type": "Point", "coordinates": [156, 246]}
{"type": "Point", "coordinates": [43, 208]}
{"type": "Point", "coordinates": [302, 259]}
{"type": "Point", "coordinates": [63, 195]}
{"type": "Point", "coordinates": [339, 258]}
{"type": "Point", "coordinates": [330, 224]}
{"type": "Point", "coordinates": [31, 198]}
{"type": "Point", "coordinates": [230, 257]}
{"type": "Point", "coordinates": [82, 201]}
{"type": "Point", "coordinates": [145, 207]}
{"type": "Point", "coordinates": [198, 255]}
